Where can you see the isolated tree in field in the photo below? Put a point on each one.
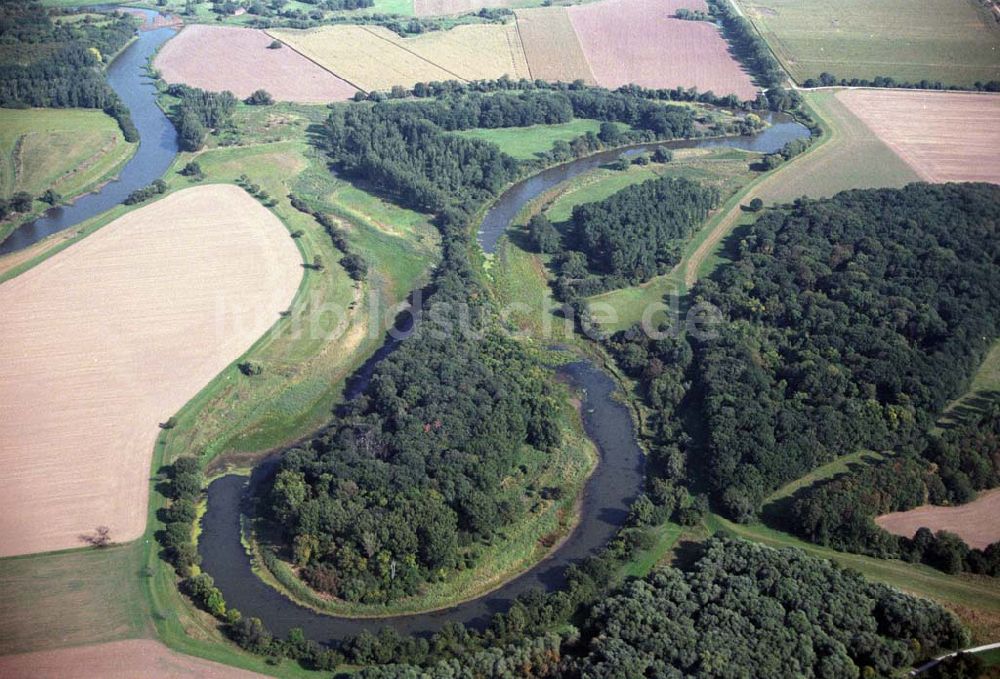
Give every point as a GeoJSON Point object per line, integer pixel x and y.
{"type": "Point", "coordinates": [50, 196]}
{"type": "Point", "coordinates": [192, 169]}
{"type": "Point", "coordinates": [543, 234]}
{"type": "Point", "coordinates": [756, 205]}
{"type": "Point", "coordinates": [317, 263]}
{"type": "Point", "coordinates": [260, 98]}
{"type": "Point", "coordinates": [100, 539]}
{"type": "Point", "coordinates": [275, 45]}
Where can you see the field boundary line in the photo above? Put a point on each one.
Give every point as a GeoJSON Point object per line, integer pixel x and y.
{"type": "Point", "coordinates": [409, 51]}
{"type": "Point", "coordinates": [520, 41]}
{"type": "Point", "coordinates": [309, 58]}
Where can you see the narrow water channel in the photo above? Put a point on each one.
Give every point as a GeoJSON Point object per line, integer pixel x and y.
{"type": "Point", "coordinates": [157, 146]}
{"type": "Point", "coordinates": [769, 140]}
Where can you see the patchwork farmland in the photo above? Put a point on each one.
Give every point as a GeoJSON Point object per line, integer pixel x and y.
{"type": "Point", "coordinates": [92, 341]}
{"type": "Point", "coordinates": [242, 62]}
{"type": "Point", "coordinates": [943, 136]}
{"type": "Point", "coordinates": [375, 58]}
{"type": "Point", "coordinates": [551, 46]}
{"type": "Point", "coordinates": [954, 41]}
{"type": "Point", "coordinates": [639, 41]}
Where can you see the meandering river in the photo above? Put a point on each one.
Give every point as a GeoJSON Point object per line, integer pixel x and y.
{"type": "Point", "coordinates": [606, 498]}
{"type": "Point", "coordinates": [157, 146]}
{"type": "Point", "coordinates": [609, 491]}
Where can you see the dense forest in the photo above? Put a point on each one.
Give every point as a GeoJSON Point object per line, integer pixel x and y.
{"type": "Point", "coordinates": [405, 150]}
{"type": "Point", "coordinates": [631, 236]}
{"type": "Point", "coordinates": [742, 610]}
{"type": "Point", "coordinates": [848, 324]}
{"type": "Point", "coordinates": [955, 464]}
{"type": "Point", "coordinates": [46, 63]}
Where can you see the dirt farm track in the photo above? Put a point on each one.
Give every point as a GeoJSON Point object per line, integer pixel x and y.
{"type": "Point", "coordinates": [112, 336]}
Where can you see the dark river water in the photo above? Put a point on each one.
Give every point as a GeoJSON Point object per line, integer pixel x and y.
{"type": "Point", "coordinates": [782, 130]}
{"type": "Point", "coordinates": [606, 498]}
{"type": "Point", "coordinates": [157, 148]}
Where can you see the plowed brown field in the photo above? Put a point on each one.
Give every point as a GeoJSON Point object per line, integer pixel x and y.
{"type": "Point", "coordinates": [116, 660]}
{"type": "Point", "coordinates": [978, 522]}
{"type": "Point", "coordinates": [638, 41]}
{"type": "Point", "coordinates": [943, 136]}
{"type": "Point", "coordinates": [110, 337]}
{"type": "Point", "coordinates": [218, 58]}
{"type": "Point", "coordinates": [551, 46]}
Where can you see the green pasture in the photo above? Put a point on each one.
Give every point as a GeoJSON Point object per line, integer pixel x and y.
{"type": "Point", "coordinates": [525, 142]}
{"type": "Point", "coordinates": [71, 151]}
{"type": "Point", "coordinates": [954, 41]}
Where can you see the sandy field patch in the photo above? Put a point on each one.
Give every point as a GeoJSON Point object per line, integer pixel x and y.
{"type": "Point", "coordinates": [638, 41]}
{"type": "Point", "coordinates": [943, 136]}
{"type": "Point", "coordinates": [116, 660]}
{"type": "Point", "coordinates": [551, 47]}
{"type": "Point", "coordinates": [112, 336]}
{"type": "Point", "coordinates": [978, 522]}
{"type": "Point", "coordinates": [375, 58]}
{"type": "Point", "coordinates": [218, 58]}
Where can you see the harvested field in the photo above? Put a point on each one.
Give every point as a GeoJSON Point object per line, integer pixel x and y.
{"type": "Point", "coordinates": [116, 660]}
{"type": "Point", "coordinates": [954, 41]}
{"type": "Point", "coordinates": [113, 335]}
{"type": "Point", "coordinates": [429, 8]}
{"type": "Point", "coordinates": [975, 522]}
{"type": "Point", "coordinates": [237, 59]}
{"type": "Point", "coordinates": [473, 51]}
{"type": "Point", "coordinates": [638, 41]}
{"type": "Point", "coordinates": [375, 58]}
{"type": "Point", "coordinates": [943, 136]}
{"type": "Point", "coordinates": [551, 47]}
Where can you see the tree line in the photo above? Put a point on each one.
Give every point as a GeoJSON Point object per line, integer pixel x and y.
{"type": "Point", "coordinates": [829, 80]}
{"type": "Point", "coordinates": [749, 46]}
{"type": "Point", "coordinates": [51, 64]}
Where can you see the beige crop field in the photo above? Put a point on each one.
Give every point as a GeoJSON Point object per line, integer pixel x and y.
{"type": "Point", "coordinates": [551, 46]}
{"type": "Point", "coordinates": [110, 337]}
{"type": "Point", "coordinates": [473, 51]}
{"type": "Point", "coordinates": [218, 58]}
{"type": "Point", "coordinates": [639, 42]}
{"type": "Point", "coordinates": [116, 660]}
{"type": "Point", "coordinates": [943, 136]}
{"type": "Point", "coordinates": [976, 522]}
{"type": "Point", "coordinates": [375, 58]}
